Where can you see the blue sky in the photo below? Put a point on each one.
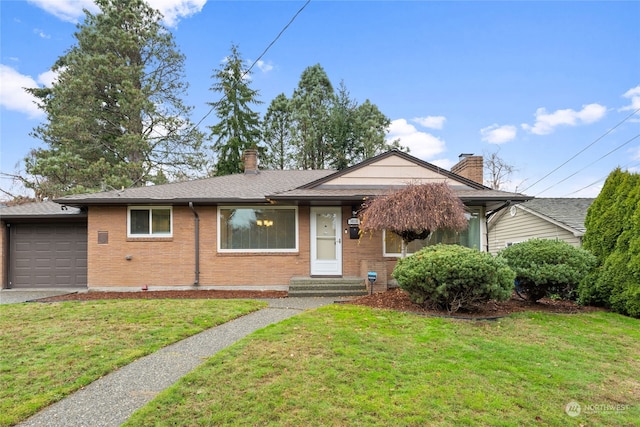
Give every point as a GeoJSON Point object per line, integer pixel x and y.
{"type": "Point", "coordinates": [545, 83]}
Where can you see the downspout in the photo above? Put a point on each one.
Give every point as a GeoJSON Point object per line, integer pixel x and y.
{"type": "Point", "coordinates": [197, 243]}
{"type": "Point", "coordinates": [488, 216]}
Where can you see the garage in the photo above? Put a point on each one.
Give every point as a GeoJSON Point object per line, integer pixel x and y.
{"type": "Point", "coordinates": [45, 248]}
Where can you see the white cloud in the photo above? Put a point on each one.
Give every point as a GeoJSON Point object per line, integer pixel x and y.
{"type": "Point", "coordinates": [546, 123]}
{"type": "Point", "coordinates": [48, 78]}
{"type": "Point", "coordinates": [12, 94]}
{"type": "Point", "coordinates": [443, 163]}
{"type": "Point", "coordinates": [422, 144]}
{"type": "Point", "coordinates": [431, 122]}
{"type": "Point", "coordinates": [264, 66]}
{"type": "Point", "coordinates": [496, 134]}
{"type": "Point", "coordinates": [66, 10]}
{"type": "Point", "coordinates": [634, 95]}
{"type": "Point", "coordinates": [41, 33]}
{"type": "Point", "coordinates": [174, 10]}
{"type": "Point", "coordinates": [72, 10]}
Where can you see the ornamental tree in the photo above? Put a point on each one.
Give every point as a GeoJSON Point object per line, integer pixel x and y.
{"type": "Point", "coordinates": [414, 212]}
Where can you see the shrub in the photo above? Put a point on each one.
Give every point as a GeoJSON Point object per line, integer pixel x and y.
{"type": "Point", "coordinates": [613, 235]}
{"type": "Point", "coordinates": [545, 267]}
{"type": "Point", "coordinates": [453, 277]}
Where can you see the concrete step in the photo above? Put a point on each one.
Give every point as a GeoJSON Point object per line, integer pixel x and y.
{"type": "Point", "coordinates": [327, 286]}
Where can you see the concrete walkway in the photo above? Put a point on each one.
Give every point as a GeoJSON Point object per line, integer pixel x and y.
{"type": "Point", "coordinates": [14, 296]}
{"type": "Point", "coordinates": [111, 400]}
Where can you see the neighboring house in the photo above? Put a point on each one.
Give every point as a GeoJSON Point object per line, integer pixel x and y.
{"type": "Point", "coordinates": [261, 229]}
{"type": "Point", "coordinates": [543, 218]}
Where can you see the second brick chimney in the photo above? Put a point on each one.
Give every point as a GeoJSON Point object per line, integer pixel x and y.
{"type": "Point", "coordinates": [250, 159]}
{"type": "Point", "coordinates": [470, 166]}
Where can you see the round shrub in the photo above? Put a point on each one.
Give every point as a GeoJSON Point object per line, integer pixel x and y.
{"type": "Point", "coordinates": [548, 267]}
{"type": "Point", "coordinates": [453, 277]}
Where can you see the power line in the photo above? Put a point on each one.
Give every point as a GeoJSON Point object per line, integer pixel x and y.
{"type": "Point", "coordinates": [595, 161]}
{"type": "Point", "coordinates": [257, 60]}
{"type": "Point", "coordinates": [597, 181]}
{"type": "Point", "coordinates": [585, 148]}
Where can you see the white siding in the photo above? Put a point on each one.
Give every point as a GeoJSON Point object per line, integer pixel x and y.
{"type": "Point", "coordinates": [389, 171]}
{"type": "Point", "coordinates": [524, 226]}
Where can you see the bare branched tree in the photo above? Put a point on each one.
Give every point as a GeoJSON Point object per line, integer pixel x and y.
{"type": "Point", "coordinates": [497, 170]}
{"type": "Point", "coordinates": [415, 211]}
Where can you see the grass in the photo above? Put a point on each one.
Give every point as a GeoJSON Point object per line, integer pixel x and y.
{"type": "Point", "coordinates": [47, 351]}
{"type": "Point", "coordinates": [350, 365]}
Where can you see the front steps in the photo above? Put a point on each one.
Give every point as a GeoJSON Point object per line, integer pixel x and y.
{"type": "Point", "coordinates": [327, 287]}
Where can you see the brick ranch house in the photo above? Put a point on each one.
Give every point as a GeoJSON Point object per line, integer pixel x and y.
{"type": "Point", "coordinates": [260, 230]}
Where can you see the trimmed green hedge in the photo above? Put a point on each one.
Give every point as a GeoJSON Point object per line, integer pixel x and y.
{"type": "Point", "coordinates": [544, 267]}
{"type": "Point", "coordinates": [613, 235]}
{"type": "Point", "coordinates": [453, 277]}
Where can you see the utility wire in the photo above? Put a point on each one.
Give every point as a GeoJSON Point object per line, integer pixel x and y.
{"type": "Point", "coordinates": [595, 161]}
{"type": "Point", "coordinates": [585, 148]}
{"type": "Point", "coordinates": [245, 73]}
{"type": "Point", "coordinates": [256, 61]}
{"type": "Point", "coordinates": [596, 181]}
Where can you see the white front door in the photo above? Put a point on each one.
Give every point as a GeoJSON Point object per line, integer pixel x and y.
{"type": "Point", "coordinates": [326, 241]}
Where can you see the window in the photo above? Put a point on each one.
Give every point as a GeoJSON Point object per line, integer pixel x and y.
{"type": "Point", "coordinates": [470, 238]}
{"type": "Point", "coordinates": [149, 221]}
{"type": "Point", "coordinates": [257, 229]}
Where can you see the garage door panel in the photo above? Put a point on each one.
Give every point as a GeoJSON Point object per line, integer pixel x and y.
{"type": "Point", "coordinates": [48, 255]}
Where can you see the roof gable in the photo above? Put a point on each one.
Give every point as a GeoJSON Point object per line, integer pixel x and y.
{"type": "Point", "coordinates": [391, 169]}
{"type": "Point", "coordinates": [568, 213]}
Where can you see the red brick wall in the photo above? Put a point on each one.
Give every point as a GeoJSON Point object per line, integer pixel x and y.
{"type": "Point", "coordinates": [470, 167]}
{"type": "Point", "coordinates": [170, 262]}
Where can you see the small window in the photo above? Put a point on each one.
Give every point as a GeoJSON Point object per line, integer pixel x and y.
{"type": "Point", "coordinates": [149, 221]}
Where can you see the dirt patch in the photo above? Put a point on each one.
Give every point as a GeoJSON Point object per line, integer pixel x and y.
{"type": "Point", "coordinates": [393, 299]}
{"type": "Point", "coordinates": [397, 299]}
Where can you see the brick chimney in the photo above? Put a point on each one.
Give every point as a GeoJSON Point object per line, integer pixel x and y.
{"type": "Point", "coordinates": [470, 166]}
{"type": "Point", "coordinates": [250, 160]}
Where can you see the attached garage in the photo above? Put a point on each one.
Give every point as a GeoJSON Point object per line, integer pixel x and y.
{"type": "Point", "coordinates": [45, 246]}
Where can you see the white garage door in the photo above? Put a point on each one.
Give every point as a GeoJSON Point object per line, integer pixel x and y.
{"type": "Point", "coordinates": [47, 255]}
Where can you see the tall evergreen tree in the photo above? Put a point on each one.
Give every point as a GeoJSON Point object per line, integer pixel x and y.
{"type": "Point", "coordinates": [342, 129]}
{"type": "Point", "coordinates": [613, 235]}
{"type": "Point", "coordinates": [115, 116]}
{"type": "Point", "coordinates": [276, 132]}
{"type": "Point", "coordinates": [311, 102]}
{"type": "Point", "coordinates": [239, 126]}
{"type": "Point", "coordinates": [371, 128]}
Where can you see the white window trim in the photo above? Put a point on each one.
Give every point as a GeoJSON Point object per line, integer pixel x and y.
{"type": "Point", "coordinates": [384, 248]}
{"type": "Point", "coordinates": [149, 235]}
{"type": "Point", "coordinates": [296, 238]}
{"type": "Point", "coordinates": [468, 209]}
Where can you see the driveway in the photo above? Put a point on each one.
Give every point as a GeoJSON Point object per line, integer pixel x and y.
{"type": "Point", "coordinates": [13, 296]}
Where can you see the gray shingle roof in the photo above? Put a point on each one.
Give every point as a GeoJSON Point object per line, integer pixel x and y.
{"type": "Point", "coordinates": [284, 185]}
{"type": "Point", "coordinates": [568, 211]}
{"type": "Point", "coordinates": [226, 189]}
{"type": "Point", "coordinates": [46, 209]}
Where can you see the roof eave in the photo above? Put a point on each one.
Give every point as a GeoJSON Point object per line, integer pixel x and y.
{"type": "Point", "coordinates": [151, 201]}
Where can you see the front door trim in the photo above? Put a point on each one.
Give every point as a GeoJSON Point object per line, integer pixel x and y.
{"type": "Point", "coordinates": [326, 241]}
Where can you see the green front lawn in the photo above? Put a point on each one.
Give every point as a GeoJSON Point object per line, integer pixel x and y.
{"type": "Point", "coordinates": [47, 351]}
{"type": "Point", "coordinates": [347, 365]}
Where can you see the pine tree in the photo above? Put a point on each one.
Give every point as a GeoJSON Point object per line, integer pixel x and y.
{"type": "Point", "coordinates": [276, 132]}
{"type": "Point", "coordinates": [310, 108]}
{"type": "Point", "coordinates": [239, 126]}
{"type": "Point", "coordinates": [115, 116]}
